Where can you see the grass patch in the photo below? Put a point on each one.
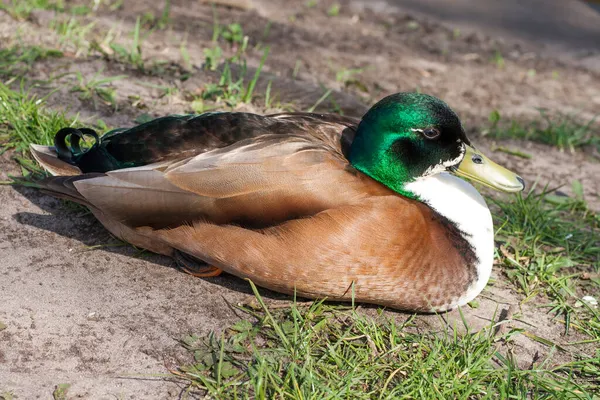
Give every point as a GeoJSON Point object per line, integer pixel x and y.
{"type": "Point", "coordinates": [133, 54]}
{"type": "Point", "coordinates": [22, 9]}
{"type": "Point", "coordinates": [61, 390]}
{"type": "Point", "coordinates": [564, 131]}
{"type": "Point", "coordinates": [17, 61]}
{"type": "Point", "coordinates": [162, 22]}
{"type": "Point", "coordinates": [72, 34]}
{"type": "Point", "coordinates": [233, 88]}
{"type": "Point", "coordinates": [97, 87]}
{"type": "Point", "coordinates": [24, 119]}
{"type": "Point", "coordinates": [348, 77]}
{"type": "Point", "coordinates": [551, 242]}
{"type": "Point", "coordinates": [319, 351]}
{"type": "Point", "coordinates": [334, 10]}
{"type": "Point", "coordinates": [232, 33]}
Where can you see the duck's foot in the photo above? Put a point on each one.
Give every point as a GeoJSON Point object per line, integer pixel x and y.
{"type": "Point", "coordinates": [193, 266]}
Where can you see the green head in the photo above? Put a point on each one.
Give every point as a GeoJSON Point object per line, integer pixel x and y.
{"type": "Point", "coordinates": [408, 136]}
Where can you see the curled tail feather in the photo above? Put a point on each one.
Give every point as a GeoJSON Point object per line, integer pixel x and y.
{"type": "Point", "coordinates": [68, 153]}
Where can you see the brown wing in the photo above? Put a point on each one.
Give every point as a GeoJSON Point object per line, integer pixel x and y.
{"type": "Point", "coordinates": [255, 182]}
{"type": "Point", "coordinates": [224, 167]}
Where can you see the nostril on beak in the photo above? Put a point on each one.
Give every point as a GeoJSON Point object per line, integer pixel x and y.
{"type": "Point", "coordinates": [477, 159]}
{"type": "Point", "coordinates": [522, 181]}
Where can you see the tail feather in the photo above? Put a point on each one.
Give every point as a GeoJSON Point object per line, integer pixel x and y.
{"type": "Point", "coordinates": [63, 187]}
{"type": "Point", "coordinates": [61, 184]}
{"type": "Point", "coordinates": [48, 159]}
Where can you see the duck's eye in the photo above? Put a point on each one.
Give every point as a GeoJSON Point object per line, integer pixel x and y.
{"type": "Point", "coordinates": [431, 133]}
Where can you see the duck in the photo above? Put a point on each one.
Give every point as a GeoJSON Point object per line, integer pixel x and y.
{"type": "Point", "coordinates": [373, 210]}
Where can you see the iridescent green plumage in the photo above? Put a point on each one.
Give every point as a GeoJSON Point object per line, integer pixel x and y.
{"type": "Point", "coordinates": [390, 147]}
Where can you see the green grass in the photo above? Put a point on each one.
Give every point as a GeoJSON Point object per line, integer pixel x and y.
{"type": "Point", "coordinates": [162, 22]}
{"type": "Point", "coordinates": [16, 61]}
{"type": "Point", "coordinates": [164, 90]}
{"type": "Point", "coordinates": [233, 33]}
{"type": "Point", "coordinates": [231, 90]}
{"type": "Point", "coordinates": [185, 55]}
{"type": "Point", "coordinates": [549, 242]}
{"type": "Point", "coordinates": [213, 57]}
{"type": "Point", "coordinates": [72, 33]}
{"type": "Point", "coordinates": [60, 391]}
{"type": "Point", "coordinates": [498, 59]}
{"type": "Point", "coordinates": [319, 351]}
{"type": "Point", "coordinates": [131, 54]}
{"type": "Point", "coordinates": [22, 9]}
{"type": "Point", "coordinates": [348, 77]}
{"type": "Point", "coordinates": [564, 131]}
{"type": "Point", "coordinates": [327, 95]}
{"type": "Point", "coordinates": [334, 10]}
{"type": "Point", "coordinates": [97, 87]}
{"type": "Point", "coordinates": [24, 119]}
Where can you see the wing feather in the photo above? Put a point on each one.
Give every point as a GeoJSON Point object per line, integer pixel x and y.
{"type": "Point", "coordinates": [256, 182]}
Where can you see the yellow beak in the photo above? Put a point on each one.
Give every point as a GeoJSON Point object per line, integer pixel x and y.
{"type": "Point", "coordinates": [479, 168]}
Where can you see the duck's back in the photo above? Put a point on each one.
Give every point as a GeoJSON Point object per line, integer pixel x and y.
{"type": "Point", "coordinates": [182, 136]}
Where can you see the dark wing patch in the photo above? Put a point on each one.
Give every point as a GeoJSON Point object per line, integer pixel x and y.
{"type": "Point", "coordinates": [179, 137]}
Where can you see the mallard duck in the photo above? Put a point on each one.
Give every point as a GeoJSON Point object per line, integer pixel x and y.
{"type": "Point", "coordinates": [320, 205]}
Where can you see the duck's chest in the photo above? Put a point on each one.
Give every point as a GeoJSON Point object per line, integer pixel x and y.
{"type": "Point", "coordinates": [459, 203]}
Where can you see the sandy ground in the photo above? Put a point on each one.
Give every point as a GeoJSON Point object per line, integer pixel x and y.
{"type": "Point", "coordinates": [108, 319]}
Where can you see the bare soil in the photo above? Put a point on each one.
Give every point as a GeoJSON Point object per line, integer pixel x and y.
{"type": "Point", "coordinates": [81, 308]}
